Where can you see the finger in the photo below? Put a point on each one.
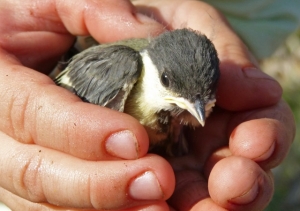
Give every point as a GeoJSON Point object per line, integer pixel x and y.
{"type": "Point", "coordinates": [15, 202]}
{"type": "Point", "coordinates": [264, 135]}
{"type": "Point", "coordinates": [242, 85]}
{"type": "Point", "coordinates": [118, 17]}
{"type": "Point", "coordinates": [214, 158]}
{"type": "Point", "coordinates": [30, 171]}
{"type": "Point", "coordinates": [207, 204]}
{"type": "Point", "coordinates": [230, 174]}
{"type": "Point", "coordinates": [236, 172]}
{"type": "Point", "coordinates": [37, 111]}
{"type": "Point", "coordinates": [41, 30]}
{"type": "Point", "coordinates": [191, 187]}
{"type": "Point", "coordinates": [191, 193]}
{"type": "Point", "coordinates": [36, 40]}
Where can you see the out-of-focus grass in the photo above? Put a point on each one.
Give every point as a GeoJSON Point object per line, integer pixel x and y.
{"type": "Point", "coordinates": [284, 65]}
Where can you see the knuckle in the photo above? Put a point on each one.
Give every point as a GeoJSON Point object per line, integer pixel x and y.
{"type": "Point", "coordinates": [29, 182]}
{"type": "Point", "coordinates": [13, 120]}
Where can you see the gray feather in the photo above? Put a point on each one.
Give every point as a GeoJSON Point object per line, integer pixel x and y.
{"type": "Point", "coordinates": [103, 75]}
{"type": "Point", "coordinates": [186, 55]}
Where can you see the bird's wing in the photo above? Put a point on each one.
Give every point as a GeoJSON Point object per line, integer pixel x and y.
{"type": "Point", "coordinates": [103, 75]}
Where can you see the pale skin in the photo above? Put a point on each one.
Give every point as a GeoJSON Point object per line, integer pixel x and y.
{"type": "Point", "coordinates": [50, 140]}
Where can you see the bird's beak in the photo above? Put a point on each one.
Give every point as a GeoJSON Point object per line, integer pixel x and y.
{"type": "Point", "coordinates": [199, 112]}
{"type": "Point", "coordinates": [197, 109]}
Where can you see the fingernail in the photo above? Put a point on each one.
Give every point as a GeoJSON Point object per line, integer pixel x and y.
{"type": "Point", "coordinates": [266, 155]}
{"type": "Point", "coordinates": [144, 18]}
{"type": "Point", "coordinates": [255, 73]}
{"type": "Point", "coordinates": [155, 27]}
{"type": "Point", "coordinates": [145, 187]}
{"type": "Point", "coordinates": [248, 196]}
{"type": "Point", "coordinates": [122, 144]}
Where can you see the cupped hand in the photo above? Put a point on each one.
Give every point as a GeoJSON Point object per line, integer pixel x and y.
{"type": "Point", "coordinates": [58, 153]}
{"type": "Point", "coordinates": [249, 132]}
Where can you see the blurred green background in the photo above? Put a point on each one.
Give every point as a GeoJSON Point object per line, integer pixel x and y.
{"type": "Point", "coordinates": [284, 65]}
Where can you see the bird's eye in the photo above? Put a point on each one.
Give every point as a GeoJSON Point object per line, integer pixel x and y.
{"type": "Point", "coordinates": [165, 80]}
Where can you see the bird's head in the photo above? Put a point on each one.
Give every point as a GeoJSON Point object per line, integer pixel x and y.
{"type": "Point", "coordinates": [186, 68]}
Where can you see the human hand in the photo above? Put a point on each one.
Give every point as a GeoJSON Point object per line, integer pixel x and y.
{"type": "Point", "coordinates": [249, 132]}
{"type": "Point", "coordinates": [81, 143]}
{"type": "Point", "coordinates": [58, 153]}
